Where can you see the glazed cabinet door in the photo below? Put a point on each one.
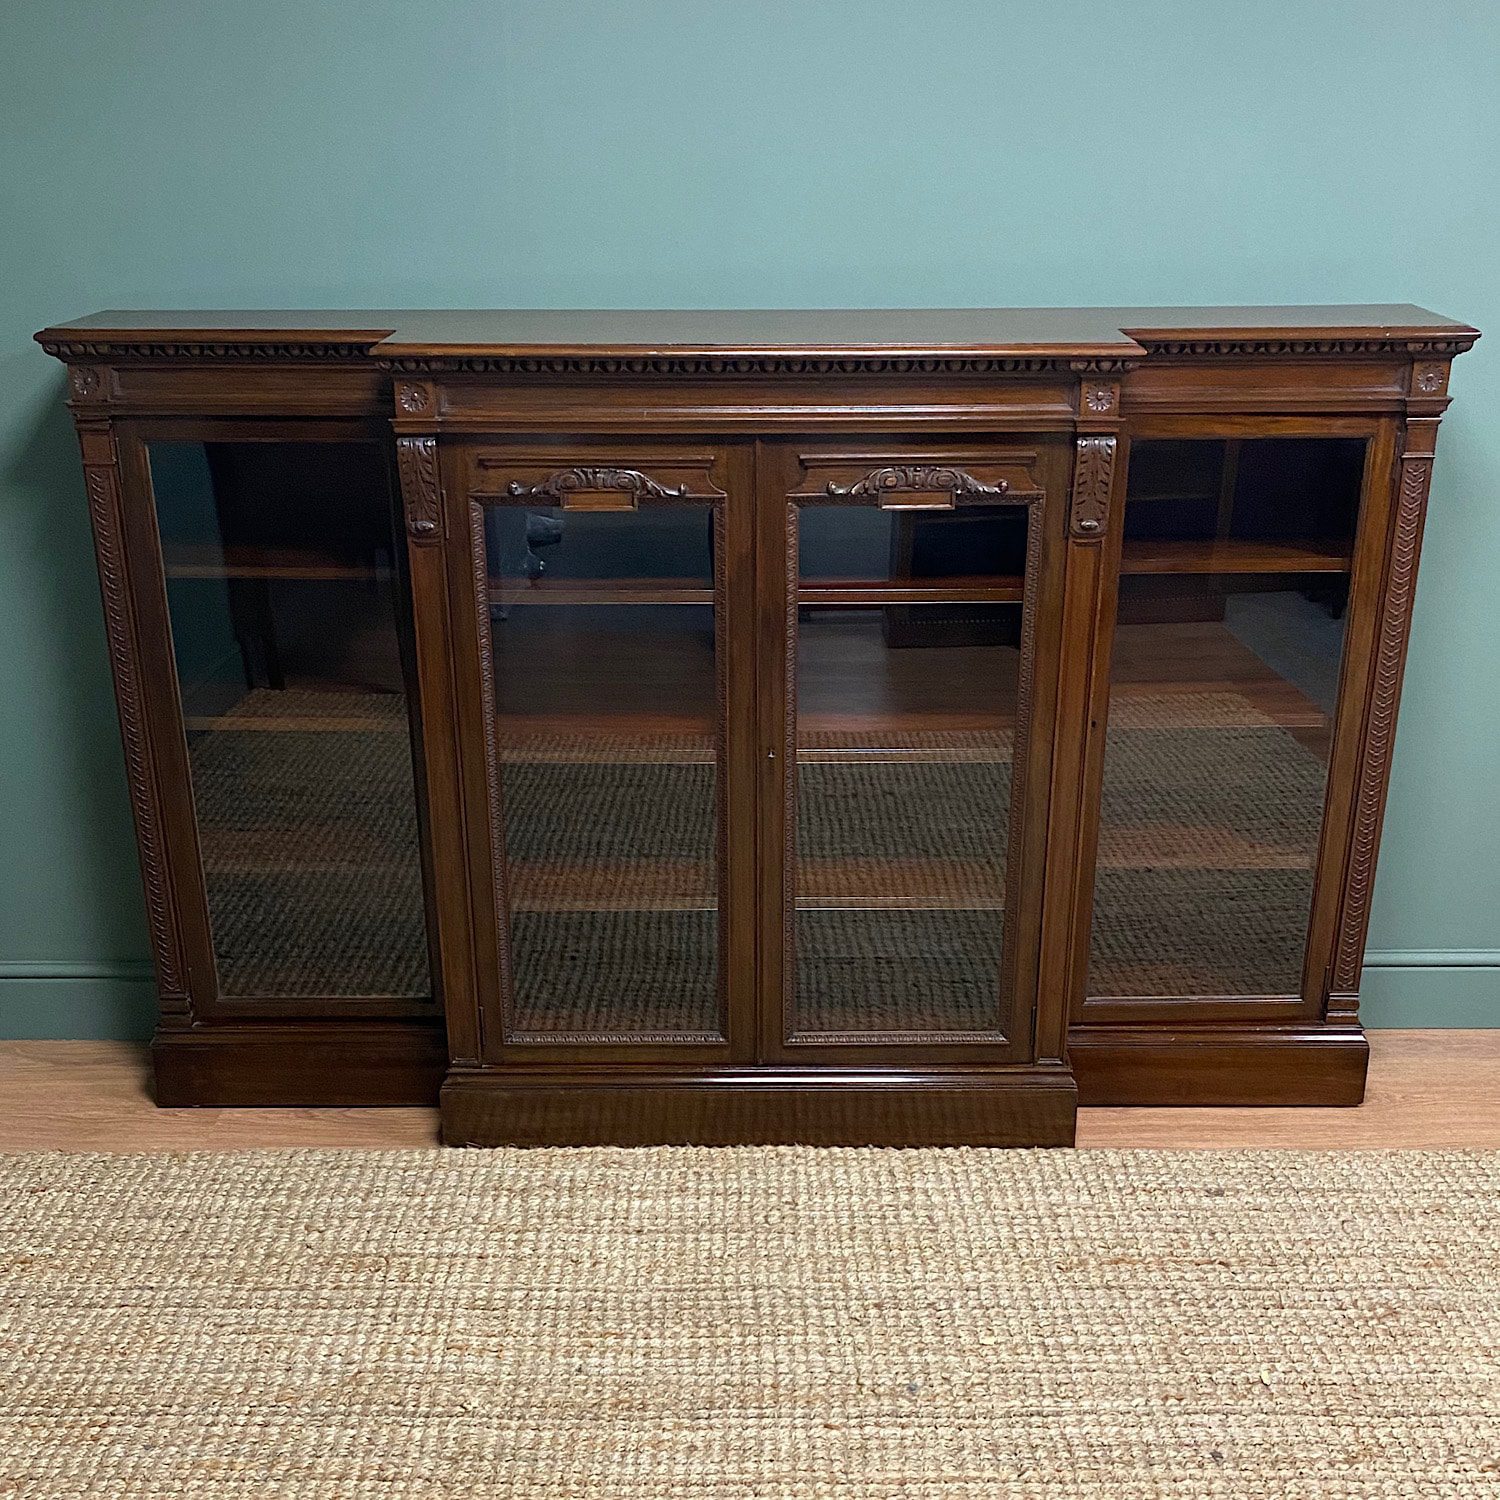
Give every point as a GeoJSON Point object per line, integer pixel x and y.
{"type": "Point", "coordinates": [1249, 571]}
{"type": "Point", "coordinates": [908, 675]}
{"type": "Point", "coordinates": [269, 594]}
{"type": "Point", "coordinates": [599, 605]}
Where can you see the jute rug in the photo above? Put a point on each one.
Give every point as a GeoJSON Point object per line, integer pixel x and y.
{"type": "Point", "coordinates": [721, 1325]}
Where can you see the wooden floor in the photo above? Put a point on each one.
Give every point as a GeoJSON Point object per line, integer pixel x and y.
{"type": "Point", "coordinates": [1427, 1089]}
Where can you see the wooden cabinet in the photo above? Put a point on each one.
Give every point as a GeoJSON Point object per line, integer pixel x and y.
{"type": "Point", "coordinates": [779, 727]}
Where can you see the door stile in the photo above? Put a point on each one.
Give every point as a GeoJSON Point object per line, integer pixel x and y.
{"type": "Point", "coordinates": [429, 525]}
{"type": "Point", "coordinates": [776, 746]}
{"type": "Point", "coordinates": [1096, 527]}
{"type": "Point", "coordinates": [737, 674]}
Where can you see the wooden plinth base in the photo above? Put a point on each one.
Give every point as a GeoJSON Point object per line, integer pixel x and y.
{"type": "Point", "coordinates": [827, 1107]}
{"type": "Point", "coordinates": [1219, 1066]}
{"type": "Point", "coordinates": [298, 1064]}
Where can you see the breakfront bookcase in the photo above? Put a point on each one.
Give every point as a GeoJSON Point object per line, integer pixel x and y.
{"type": "Point", "coordinates": [765, 726]}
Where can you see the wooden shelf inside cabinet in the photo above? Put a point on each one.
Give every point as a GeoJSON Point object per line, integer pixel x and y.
{"type": "Point", "coordinates": [606, 739]}
{"type": "Point", "coordinates": [282, 853]}
{"type": "Point", "coordinates": [263, 723]}
{"type": "Point", "coordinates": [1203, 849]}
{"type": "Point", "coordinates": [821, 884]}
{"type": "Point", "coordinates": [612, 885]}
{"type": "Point", "coordinates": [1311, 555]}
{"type": "Point", "coordinates": [997, 589]}
{"type": "Point", "coordinates": [855, 884]}
{"type": "Point", "coordinates": [195, 560]}
{"type": "Point", "coordinates": [507, 591]}
{"type": "Point", "coordinates": [1180, 497]}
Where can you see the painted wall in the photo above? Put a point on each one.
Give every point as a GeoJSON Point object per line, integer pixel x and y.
{"type": "Point", "coordinates": [177, 153]}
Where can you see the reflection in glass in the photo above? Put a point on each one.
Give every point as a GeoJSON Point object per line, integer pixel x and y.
{"type": "Point", "coordinates": [905, 729]}
{"type": "Point", "coordinates": [1223, 688]}
{"type": "Point", "coordinates": [281, 591]}
{"type": "Point", "coordinates": [605, 701]}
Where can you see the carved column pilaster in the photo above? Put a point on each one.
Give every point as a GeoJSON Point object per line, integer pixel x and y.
{"type": "Point", "coordinates": [1413, 479]}
{"type": "Point", "coordinates": [1094, 504]}
{"type": "Point", "coordinates": [101, 469]}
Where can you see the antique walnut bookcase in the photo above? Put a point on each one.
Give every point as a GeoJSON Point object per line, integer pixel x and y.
{"type": "Point", "coordinates": [763, 726]}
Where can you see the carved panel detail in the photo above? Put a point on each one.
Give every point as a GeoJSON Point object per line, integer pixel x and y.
{"type": "Point", "coordinates": [557, 487]}
{"type": "Point", "coordinates": [480, 572]}
{"type": "Point", "coordinates": [1299, 348]}
{"type": "Point", "coordinates": [1411, 506]}
{"type": "Point", "coordinates": [899, 479]}
{"type": "Point", "coordinates": [1093, 477]}
{"type": "Point", "coordinates": [103, 349]}
{"type": "Point", "coordinates": [696, 367]}
{"type": "Point", "coordinates": [416, 459]}
{"type": "Point", "coordinates": [1099, 398]}
{"type": "Point", "coordinates": [103, 487]}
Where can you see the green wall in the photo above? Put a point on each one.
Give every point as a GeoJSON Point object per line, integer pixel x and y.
{"type": "Point", "coordinates": [180, 153]}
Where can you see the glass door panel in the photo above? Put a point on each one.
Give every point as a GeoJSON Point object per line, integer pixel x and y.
{"type": "Point", "coordinates": [285, 607]}
{"type": "Point", "coordinates": [910, 619]}
{"type": "Point", "coordinates": [605, 644]}
{"type": "Point", "coordinates": [1225, 676]}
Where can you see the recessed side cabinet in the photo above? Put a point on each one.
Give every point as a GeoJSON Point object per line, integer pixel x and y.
{"type": "Point", "coordinates": [759, 727]}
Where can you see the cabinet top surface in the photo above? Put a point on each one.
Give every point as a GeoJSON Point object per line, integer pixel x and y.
{"type": "Point", "coordinates": [987, 332]}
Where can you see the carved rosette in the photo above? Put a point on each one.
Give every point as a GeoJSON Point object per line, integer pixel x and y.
{"type": "Point", "coordinates": [917, 479]}
{"type": "Point", "coordinates": [1100, 399]}
{"type": "Point", "coordinates": [1430, 379]}
{"type": "Point", "coordinates": [86, 383]}
{"type": "Point", "coordinates": [416, 460]}
{"type": "Point", "coordinates": [102, 483]}
{"type": "Point", "coordinates": [1385, 692]}
{"type": "Point", "coordinates": [558, 487]}
{"type": "Point", "coordinates": [413, 399]}
{"type": "Point", "coordinates": [1093, 478]}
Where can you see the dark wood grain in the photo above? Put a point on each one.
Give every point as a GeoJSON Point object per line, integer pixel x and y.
{"type": "Point", "coordinates": [758, 412]}
{"type": "Point", "coordinates": [806, 1107]}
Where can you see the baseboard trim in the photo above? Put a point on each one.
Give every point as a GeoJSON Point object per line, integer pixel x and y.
{"type": "Point", "coordinates": [45, 1000]}
{"type": "Point", "coordinates": [1219, 1066]}
{"type": "Point", "coordinates": [125, 970]}
{"type": "Point", "coordinates": [1433, 958]}
{"type": "Point", "coordinates": [1441, 989]}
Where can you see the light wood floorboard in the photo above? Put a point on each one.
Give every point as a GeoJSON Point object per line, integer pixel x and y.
{"type": "Point", "coordinates": [1427, 1089]}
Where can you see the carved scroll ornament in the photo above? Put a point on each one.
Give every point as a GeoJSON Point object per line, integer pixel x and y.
{"type": "Point", "coordinates": [887, 485]}
{"type": "Point", "coordinates": [596, 489]}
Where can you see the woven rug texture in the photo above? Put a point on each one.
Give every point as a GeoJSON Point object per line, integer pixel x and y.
{"type": "Point", "coordinates": [726, 1324]}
